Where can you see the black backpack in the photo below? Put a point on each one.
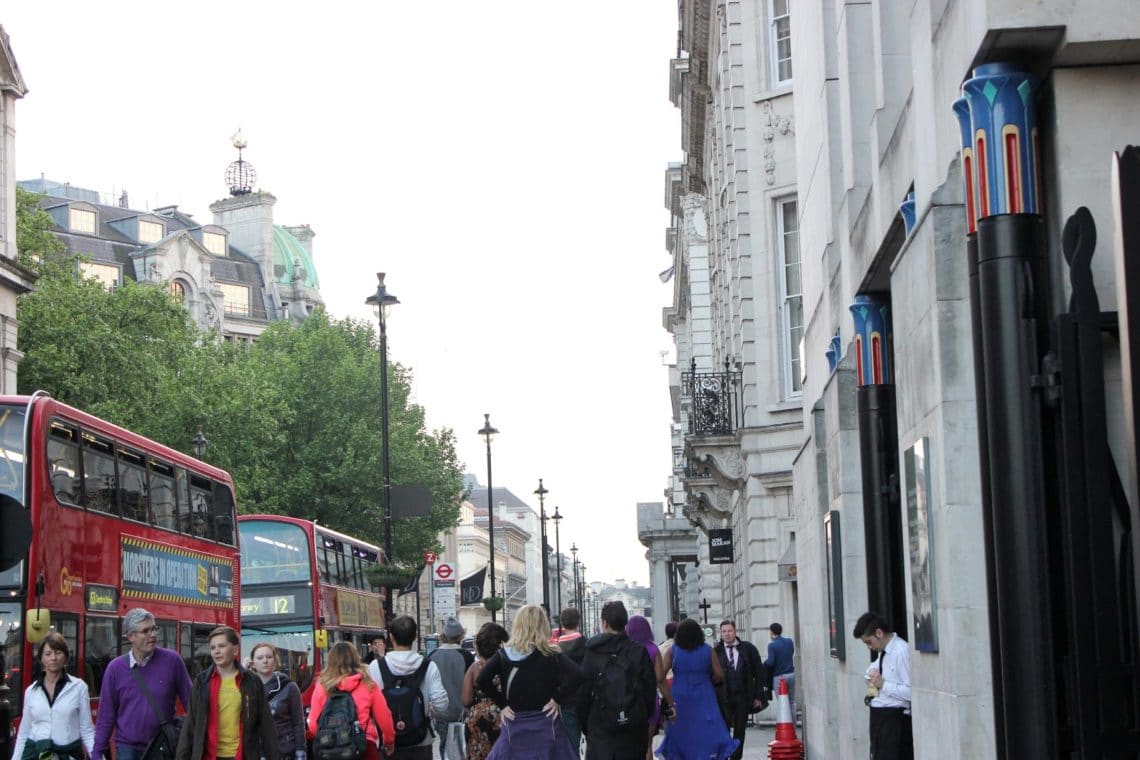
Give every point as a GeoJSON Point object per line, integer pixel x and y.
{"type": "Point", "coordinates": [339, 734]}
{"type": "Point", "coordinates": [406, 702]}
{"type": "Point", "coordinates": [619, 704]}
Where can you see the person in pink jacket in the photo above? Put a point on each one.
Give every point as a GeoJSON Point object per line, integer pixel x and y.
{"type": "Point", "coordinates": [344, 671]}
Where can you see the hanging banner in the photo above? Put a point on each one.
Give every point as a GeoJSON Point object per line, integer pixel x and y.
{"type": "Point", "coordinates": [471, 588]}
{"type": "Point", "coordinates": [720, 546]}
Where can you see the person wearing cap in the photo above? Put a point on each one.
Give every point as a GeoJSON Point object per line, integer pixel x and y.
{"type": "Point", "coordinates": [453, 662]}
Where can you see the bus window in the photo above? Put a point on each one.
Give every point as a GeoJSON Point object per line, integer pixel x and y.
{"type": "Point", "coordinates": [12, 653]}
{"type": "Point", "coordinates": [63, 458]}
{"type": "Point", "coordinates": [67, 626]}
{"type": "Point", "coordinates": [223, 513]}
{"type": "Point", "coordinates": [12, 452]}
{"type": "Point", "coordinates": [132, 485]}
{"type": "Point", "coordinates": [101, 645]}
{"type": "Point", "coordinates": [196, 647]}
{"type": "Point", "coordinates": [167, 631]}
{"type": "Point", "coordinates": [100, 487]}
{"type": "Point", "coordinates": [163, 503]}
{"type": "Point", "coordinates": [201, 509]}
{"type": "Point", "coordinates": [294, 645]}
{"type": "Point", "coordinates": [273, 553]}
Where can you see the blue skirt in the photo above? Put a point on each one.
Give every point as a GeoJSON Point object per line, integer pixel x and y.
{"type": "Point", "coordinates": [533, 735]}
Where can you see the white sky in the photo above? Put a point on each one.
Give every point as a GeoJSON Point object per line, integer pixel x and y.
{"type": "Point", "coordinates": [502, 162]}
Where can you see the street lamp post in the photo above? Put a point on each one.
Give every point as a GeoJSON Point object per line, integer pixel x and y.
{"type": "Point", "coordinates": [382, 302]}
{"type": "Point", "coordinates": [558, 560]}
{"type": "Point", "coordinates": [585, 593]}
{"type": "Point", "coordinates": [577, 591]}
{"type": "Point", "coordinates": [541, 491]}
{"type": "Point", "coordinates": [199, 443]}
{"type": "Point", "coordinates": [488, 433]}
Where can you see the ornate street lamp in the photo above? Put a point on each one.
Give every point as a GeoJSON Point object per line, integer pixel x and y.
{"type": "Point", "coordinates": [488, 432]}
{"type": "Point", "coordinates": [541, 491]}
{"type": "Point", "coordinates": [382, 302]}
{"type": "Point", "coordinates": [200, 445]}
{"type": "Point", "coordinates": [577, 590]}
{"type": "Point", "coordinates": [558, 559]}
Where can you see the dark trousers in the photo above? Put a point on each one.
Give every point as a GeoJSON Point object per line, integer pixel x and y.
{"type": "Point", "coordinates": [891, 737]}
{"type": "Point", "coordinates": [736, 716]}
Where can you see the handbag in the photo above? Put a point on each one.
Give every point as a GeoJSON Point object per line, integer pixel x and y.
{"type": "Point", "coordinates": [164, 745]}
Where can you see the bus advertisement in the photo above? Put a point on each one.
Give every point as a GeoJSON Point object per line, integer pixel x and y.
{"type": "Point", "coordinates": [304, 587]}
{"type": "Point", "coordinates": [118, 521]}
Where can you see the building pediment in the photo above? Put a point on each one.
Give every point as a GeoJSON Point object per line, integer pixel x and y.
{"type": "Point", "coordinates": [11, 81]}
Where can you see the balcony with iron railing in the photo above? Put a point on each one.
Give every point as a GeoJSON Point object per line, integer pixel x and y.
{"type": "Point", "coordinates": [714, 398]}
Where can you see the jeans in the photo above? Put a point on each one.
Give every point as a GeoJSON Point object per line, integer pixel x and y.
{"type": "Point", "coordinates": [573, 727]}
{"type": "Point", "coordinates": [790, 680]}
{"type": "Point", "coordinates": [127, 752]}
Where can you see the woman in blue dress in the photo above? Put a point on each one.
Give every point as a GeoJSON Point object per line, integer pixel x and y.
{"type": "Point", "coordinates": [697, 730]}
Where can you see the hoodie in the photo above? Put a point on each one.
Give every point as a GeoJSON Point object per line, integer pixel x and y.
{"type": "Point", "coordinates": [404, 663]}
{"type": "Point", "coordinates": [370, 706]}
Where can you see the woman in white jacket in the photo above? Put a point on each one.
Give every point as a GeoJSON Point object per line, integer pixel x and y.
{"type": "Point", "coordinates": [57, 709]}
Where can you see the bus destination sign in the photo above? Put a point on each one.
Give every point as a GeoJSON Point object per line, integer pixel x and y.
{"type": "Point", "coordinates": [282, 604]}
{"type": "Point", "coordinates": [102, 598]}
{"type": "Point", "coordinates": [170, 574]}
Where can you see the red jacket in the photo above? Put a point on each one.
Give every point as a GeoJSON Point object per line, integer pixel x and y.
{"type": "Point", "coordinates": [370, 704]}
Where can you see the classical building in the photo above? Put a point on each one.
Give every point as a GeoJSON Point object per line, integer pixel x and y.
{"type": "Point", "coordinates": [14, 279]}
{"type": "Point", "coordinates": [967, 461]}
{"type": "Point", "coordinates": [736, 318]}
{"type": "Point", "coordinates": [524, 585]}
{"type": "Point", "coordinates": [235, 275]}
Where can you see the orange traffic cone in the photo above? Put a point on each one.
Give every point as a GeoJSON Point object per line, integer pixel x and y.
{"type": "Point", "coordinates": [785, 746]}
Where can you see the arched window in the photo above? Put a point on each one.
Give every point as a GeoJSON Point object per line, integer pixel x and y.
{"type": "Point", "coordinates": [178, 290]}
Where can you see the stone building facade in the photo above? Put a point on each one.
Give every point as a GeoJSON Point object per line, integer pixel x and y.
{"type": "Point", "coordinates": [14, 279]}
{"type": "Point", "coordinates": [737, 308]}
{"type": "Point", "coordinates": [892, 190]}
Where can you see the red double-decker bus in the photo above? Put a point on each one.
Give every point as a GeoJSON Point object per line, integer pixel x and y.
{"type": "Point", "coordinates": [305, 587]}
{"type": "Point", "coordinates": [118, 521]}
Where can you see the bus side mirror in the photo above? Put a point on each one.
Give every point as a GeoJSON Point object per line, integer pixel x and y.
{"type": "Point", "coordinates": [37, 623]}
{"type": "Point", "coordinates": [17, 534]}
{"type": "Point", "coordinates": [321, 638]}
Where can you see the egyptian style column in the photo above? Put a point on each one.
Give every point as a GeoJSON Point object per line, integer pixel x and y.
{"type": "Point", "coordinates": [660, 592]}
{"type": "Point", "coordinates": [878, 450]}
{"type": "Point", "coordinates": [969, 191]}
{"type": "Point", "coordinates": [1012, 320]}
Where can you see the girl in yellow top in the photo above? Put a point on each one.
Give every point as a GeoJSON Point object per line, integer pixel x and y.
{"type": "Point", "coordinates": [229, 716]}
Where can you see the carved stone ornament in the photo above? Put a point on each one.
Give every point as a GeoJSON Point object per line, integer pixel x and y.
{"type": "Point", "coordinates": [696, 223]}
{"type": "Point", "coordinates": [775, 124]}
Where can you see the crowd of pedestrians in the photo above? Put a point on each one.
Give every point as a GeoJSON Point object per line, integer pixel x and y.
{"type": "Point", "coordinates": [523, 693]}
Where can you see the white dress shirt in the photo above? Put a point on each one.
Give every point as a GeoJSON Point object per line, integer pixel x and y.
{"type": "Point", "coordinates": [64, 721]}
{"type": "Point", "coordinates": [896, 675]}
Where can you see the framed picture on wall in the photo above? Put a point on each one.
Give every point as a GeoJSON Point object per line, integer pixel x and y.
{"type": "Point", "coordinates": [834, 558]}
{"type": "Point", "coordinates": [916, 462]}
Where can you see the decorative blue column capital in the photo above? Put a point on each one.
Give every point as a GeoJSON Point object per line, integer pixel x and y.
{"type": "Point", "coordinates": [873, 339]}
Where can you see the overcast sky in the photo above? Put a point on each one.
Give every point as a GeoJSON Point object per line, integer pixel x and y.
{"type": "Point", "coordinates": [502, 162]}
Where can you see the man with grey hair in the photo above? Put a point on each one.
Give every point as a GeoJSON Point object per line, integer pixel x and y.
{"type": "Point", "coordinates": [146, 673]}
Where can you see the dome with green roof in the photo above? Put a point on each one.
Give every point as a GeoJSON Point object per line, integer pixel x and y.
{"type": "Point", "coordinates": [286, 251]}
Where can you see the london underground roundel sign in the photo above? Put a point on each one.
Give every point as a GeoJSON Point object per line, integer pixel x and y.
{"type": "Point", "coordinates": [444, 571]}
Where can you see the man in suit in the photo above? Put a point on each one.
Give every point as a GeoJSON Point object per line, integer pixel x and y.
{"type": "Point", "coordinates": [745, 678]}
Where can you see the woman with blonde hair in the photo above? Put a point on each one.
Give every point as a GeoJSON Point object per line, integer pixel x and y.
{"type": "Point", "coordinates": [534, 679]}
{"type": "Point", "coordinates": [344, 671]}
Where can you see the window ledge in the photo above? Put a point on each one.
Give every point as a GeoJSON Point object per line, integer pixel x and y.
{"type": "Point", "coordinates": [791, 405]}
{"type": "Point", "coordinates": [775, 92]}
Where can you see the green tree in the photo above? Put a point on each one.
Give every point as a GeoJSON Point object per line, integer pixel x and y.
{"type": "Point", "coordinates": [36, 247]}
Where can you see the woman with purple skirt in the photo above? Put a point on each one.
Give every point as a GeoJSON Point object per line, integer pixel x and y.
{"type": "Point", "coordinates": [638, 630]}
{"type": "Point", "coordinates": [534, 680]}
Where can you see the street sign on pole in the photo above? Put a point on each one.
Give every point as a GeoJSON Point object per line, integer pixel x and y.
{"type": "Point", "coordinates": [430, 558]}
{"type": "Point", "coordinates": [443, 591]}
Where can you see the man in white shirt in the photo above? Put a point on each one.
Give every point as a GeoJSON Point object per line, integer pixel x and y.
{"type": "Point", "coordinates": [889, 695]}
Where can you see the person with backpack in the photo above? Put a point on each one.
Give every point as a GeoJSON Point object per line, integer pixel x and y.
{"type": "Point", "coordinates": [529, 679]}
{"type": "Point", "coordinates": [620, 693]}
{"type": "Point", "coordinates": [696, 727]}
{"type": "Point", "coordinates": [453, 662]}
{"type": "Point", "coordinates": [229, 715]}
{"type": "Point", "coordinates": [412, 688]}
{"type": "Point", "coordinates": [346, 710]}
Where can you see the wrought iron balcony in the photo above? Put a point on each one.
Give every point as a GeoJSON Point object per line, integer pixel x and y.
{"type": "Point", "coordinates": [715, 406]}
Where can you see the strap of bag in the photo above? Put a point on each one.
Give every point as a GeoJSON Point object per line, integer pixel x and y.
{"type": "Point", "coordinates": [146, 693]}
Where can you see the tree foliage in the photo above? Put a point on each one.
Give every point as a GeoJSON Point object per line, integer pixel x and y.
{"type": "Point", "coordinates": [295, 418]}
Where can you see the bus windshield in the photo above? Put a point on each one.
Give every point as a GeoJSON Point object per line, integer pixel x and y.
{"type": "Point", "coordinates": [294, 644]}
{"type": "Point", "coordinates": [273, 552]}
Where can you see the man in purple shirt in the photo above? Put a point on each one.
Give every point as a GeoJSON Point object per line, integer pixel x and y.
{"type": "Point", "coordinates": [123, 708]}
